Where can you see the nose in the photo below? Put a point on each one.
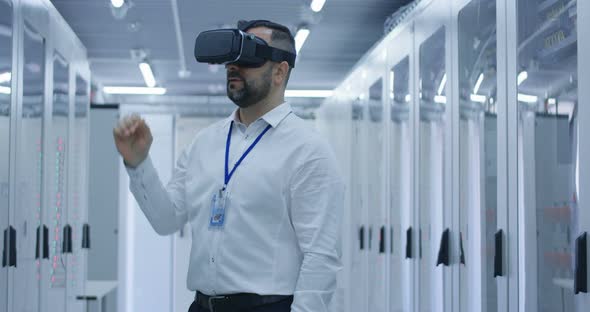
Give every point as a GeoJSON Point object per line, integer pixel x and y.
{"type": "Point", "coordinates": [231, 67]}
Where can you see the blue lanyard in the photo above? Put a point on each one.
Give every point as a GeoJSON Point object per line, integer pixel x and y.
{"type": "Point", "coordinates": [228, 176]}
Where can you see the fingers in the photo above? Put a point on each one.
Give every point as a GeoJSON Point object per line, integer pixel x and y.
{"type": "Point", "coordinates": [127, 126]}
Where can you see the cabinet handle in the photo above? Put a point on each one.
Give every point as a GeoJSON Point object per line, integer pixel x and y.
{"type": "Point", "coordinates": [11, 246]}
{"type": "Point", "coordinates": [581, 265]}
{"type": "Point", "coordinates": [391, 240]}
{"type": "Point", "coordinates": [498, 253]}
{"type": "Point", "coordinates": [38, 242]}
{"type": "Point", "coordinates": [86, 236]}
{"type": "Point", "coordinates": [5, 248]}
{"type": "Point", "coordinates": [67, 239]}
{"type": "Point", "coordinates": [409, 243]}
{"type": "Point", "coordinates": [461, 248]}
{"type": "Point", "coordinates": [45, 242]}
{"type": "Point", "coordinates": [382, 240]}
{"type": "Point", "coordinates": [362, 237]}
{"type": "Point", "coordinates": [443, 251]}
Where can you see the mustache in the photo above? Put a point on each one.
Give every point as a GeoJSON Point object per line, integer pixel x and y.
{"type": "Point", "coordinates": [234, 74]}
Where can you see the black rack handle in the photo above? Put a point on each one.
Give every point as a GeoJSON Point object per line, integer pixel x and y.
{"type": "Point", "coordinates": [5, 248]}
{"type": "Point", "coordinates": [382, 240]}
{"type": "Point", "coordinates": [461, 248]}
{"type": "Point", "coordinates": [10, 233]}
{"type": "Point", "coordinates": [45, 242]}
{"type": "Point", "coordinates": [498, 253]}
{"type": "Point", "coordinates": [581, 265]}
{"type": "Point", "coordinates": [409, 243]}
{"type": "Point", "coordinates": [362, 238]}
{"type": "Point", "coordinates": [67, 239]}
{"type": "Point", "coordinates": [38, 242]}
{"type": "Point", "coordinates": [86, 236]}
{"type": "Point", "coordinates": [443, 251]}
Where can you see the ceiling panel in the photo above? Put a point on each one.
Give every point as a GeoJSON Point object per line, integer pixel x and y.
{"type": "Point", "coordinates": [340, 34]}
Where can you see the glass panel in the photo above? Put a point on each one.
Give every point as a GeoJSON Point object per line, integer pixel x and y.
{"type": "Point", "coordinates": [433, 81]}
{"type": "Point", "coordinates": [376, 209]}
{"type": "Point", "coordinates": [5, 104]}
{"type": "Point", "coordinates": [401, 169]}
{"type": "Point", "coordinates": [78, 195]}
{"type": "Point", "coordinates": [29, 168]}
{"type": "Point", "coordinates": [477, 155]}
{"type": "Point", "coordinates": [359, 260]}
{"type": "Point", "coordinates": [548, 150]}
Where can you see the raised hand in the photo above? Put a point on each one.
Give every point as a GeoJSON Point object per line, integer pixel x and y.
{"type": "Point", "coordinates": [133, 139]}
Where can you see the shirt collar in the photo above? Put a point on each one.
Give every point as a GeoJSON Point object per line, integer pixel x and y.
{"type": "Point", "coordinates": [273, 118]}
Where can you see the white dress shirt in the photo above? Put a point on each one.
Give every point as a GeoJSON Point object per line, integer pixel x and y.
{"type": "Point", "coordinates": [282, 225]}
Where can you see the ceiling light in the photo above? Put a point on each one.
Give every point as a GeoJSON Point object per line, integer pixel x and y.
{"type": "Point", "coordinates": [117, 3]}
{"type": "Point", "coordinates": [5, 77]}
{"type": "Point", "coordinates": [441, 99]}
{"type": "Point", "coordinates": [478, 84]}
{"type": "Point", "coordinates": [408, 98]}
{"type": "Point", "coordinates": [443, 83]}
{"type": "Point", "coordinates": [552, 101]}
{"type": "Point", "coordinates": [308, 93]}
{"type": "Point", "coordinates": [148, 74]}
{"type": "Point", "coordinates": [134, 90]}
{"type": "Point", "coordinates": [317, 5]}
{"type": "Point", "coordinates": [527, 98]}
{"type": "Point", "coordinates": [478, 98]}
{"type": "Point", "coordinates": [522, 77]}
{"type": "Point", "coordinates": [4, 90]}
{"type": "Point", "coordinates": [300, 38]}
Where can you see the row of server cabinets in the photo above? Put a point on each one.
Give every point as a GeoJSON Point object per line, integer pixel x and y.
{"type": "Point", "coordinates": [44, 104]}
{"type": "Point", "coordinates": [463, 135]}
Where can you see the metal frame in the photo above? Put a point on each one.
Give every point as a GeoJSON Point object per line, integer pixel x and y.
{"type": "Point", "coordinates": [584, 127]}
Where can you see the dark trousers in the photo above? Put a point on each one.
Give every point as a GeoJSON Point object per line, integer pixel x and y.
{"type": "Point", "coordinates": [281, 306]}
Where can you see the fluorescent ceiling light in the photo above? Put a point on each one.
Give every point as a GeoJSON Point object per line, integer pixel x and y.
{"type": "Point", "coordinates": [441, 99]}
{"type": "Point", "coordinates": [134, 90]}
{"type": "Point", "coordinates": [5, 77]}
{"type": "Point", "coordinates": [522, 77]}
{"type": "Point", "coordinates": [317, 5]}
{"type": "Point", "coordinates": [478, 98]}
{"type": "Point", "coordinates": [478, 84]}
{"type": "Point", "coordinates": [148, 75]}
{"type": "Point", "coordinates": [527, 98]}
{"type": "Point", "coordinates": [443, 83]}
{"type": "Point", "coordinates": [408, 98]}
{"type": "Point", "coordinates": [117, 3]}
{"type": "Point", "coordinates": [4, 90]}
{"type": "Point", "coordinates": [300, 38]}
{"type": "Point", "coordinates": [308, 93]}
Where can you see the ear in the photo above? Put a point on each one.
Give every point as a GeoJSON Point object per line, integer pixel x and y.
{"type": "Point", "coordinates": [280, 73]}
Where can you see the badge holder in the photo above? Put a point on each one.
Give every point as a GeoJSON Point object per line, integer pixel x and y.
{"type": "Point", "coordinates": [218, 210]}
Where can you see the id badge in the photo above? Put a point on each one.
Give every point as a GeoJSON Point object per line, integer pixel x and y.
{"type": "Point", "coordinates": [218, 203]}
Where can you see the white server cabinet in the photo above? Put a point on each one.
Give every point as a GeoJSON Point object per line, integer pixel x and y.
{"type": "Point", "coordinates": [47, 57]}
{"type": "Point", "coordinates": [7, 86]}
{"type": "Point", "coordinates": [475, 101]}
{"type": "Point", "coordinates": [432, 170]}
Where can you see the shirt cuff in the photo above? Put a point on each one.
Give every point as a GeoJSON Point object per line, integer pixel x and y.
{"type": "Point", "coordinates": [141, 169]}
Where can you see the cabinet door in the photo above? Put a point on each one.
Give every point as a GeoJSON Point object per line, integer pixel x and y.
{"type": "Point", "coordinates": [433, 138]}
{"type": "Point", "coordinates": [6, 85]}
{"type": "Point", "coordinates": [477, 155]}
{"type": "Point", "coordinates": [376, 208]}
{"type": "Point", "coordinates": [29, 170]}
{"type": "Point", "coordinates": [548, 147]}
{"type": "Point", "coordinates": [400, 189]}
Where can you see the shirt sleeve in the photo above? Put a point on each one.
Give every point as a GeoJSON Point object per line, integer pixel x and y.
{"type": "Point", "coordinates": [317, 201]}
{"type": "Point", "coordinates": [164, 207]}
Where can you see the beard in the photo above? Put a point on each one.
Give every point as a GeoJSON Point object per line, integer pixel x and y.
{"type": "Point", "coordinates": [251, 92]}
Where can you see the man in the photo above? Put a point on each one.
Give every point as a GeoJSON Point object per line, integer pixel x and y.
{"type": "Point", "coordinates": [260, 190]}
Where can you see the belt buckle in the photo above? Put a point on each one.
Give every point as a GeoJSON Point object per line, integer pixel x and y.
{"type": "Point", "coordinates": [211, 301]}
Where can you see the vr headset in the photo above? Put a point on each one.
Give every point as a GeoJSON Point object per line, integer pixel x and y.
{"type": "Point", "coordinates": [234, 46]}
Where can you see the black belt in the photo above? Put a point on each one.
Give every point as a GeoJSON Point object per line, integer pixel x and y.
{"type": "Point", "coordinates": [236, 302]}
